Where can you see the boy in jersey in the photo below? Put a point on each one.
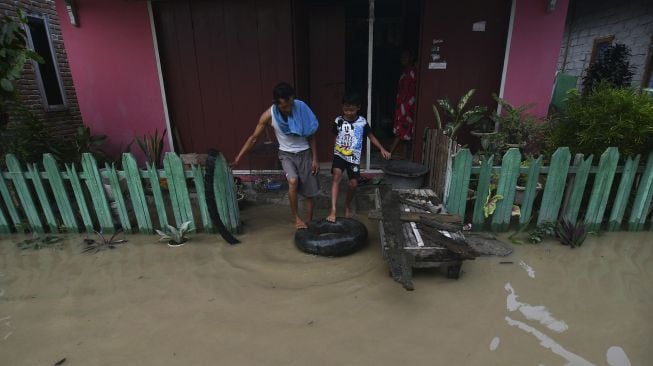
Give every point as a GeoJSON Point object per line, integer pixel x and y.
{"type": "Point", "coordinates": [351, 131]}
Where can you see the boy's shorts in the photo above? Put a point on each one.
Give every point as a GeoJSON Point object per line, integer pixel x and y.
{"type": "Point", "coordinates": [299, 165]}
{"type": "Point", "coordinates": [353, 170]}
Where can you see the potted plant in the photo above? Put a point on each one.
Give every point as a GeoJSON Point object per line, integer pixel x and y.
{"type": "Point", "coordinates": [176, 236]}
{"type": "Point", "coordinates": [517, 128]}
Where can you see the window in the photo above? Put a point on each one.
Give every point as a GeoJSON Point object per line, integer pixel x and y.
{"type": "Point", "coordinates": [47, 73]}
{"type": "Point", "coordinates": [600, 45]}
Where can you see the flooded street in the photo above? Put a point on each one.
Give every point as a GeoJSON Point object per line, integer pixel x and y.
{"type": "Point", "coordinates": [263, 302]}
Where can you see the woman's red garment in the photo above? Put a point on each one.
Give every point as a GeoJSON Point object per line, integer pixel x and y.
{"type": "Point", "coordinates": [404, 124]}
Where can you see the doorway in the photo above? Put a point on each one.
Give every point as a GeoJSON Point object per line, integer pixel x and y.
{"type": "Point", "coordinates": [396, 28]}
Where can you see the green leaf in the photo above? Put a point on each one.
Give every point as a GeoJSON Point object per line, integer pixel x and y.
{"type": "Point", "coordinates": [6, 85]}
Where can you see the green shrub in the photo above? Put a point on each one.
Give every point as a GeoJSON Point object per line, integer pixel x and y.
{"type": "Point", "coordinates": [607, 117]}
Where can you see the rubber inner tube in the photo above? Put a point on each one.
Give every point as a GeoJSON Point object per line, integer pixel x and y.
{"type": "Point", "coordinates": [332, 239]}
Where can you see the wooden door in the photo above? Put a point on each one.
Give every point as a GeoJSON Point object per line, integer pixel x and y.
{"type": "Point", "coordinates": [220, 61]}
{"type": "Point", "coordinates": [327, 69]}
{"type": "Point", "coordinates": [474, 58]}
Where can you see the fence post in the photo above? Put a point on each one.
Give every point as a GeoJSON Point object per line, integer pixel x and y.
{"type": "Point", "coordinates": [198, 178]}
{"type": "Point", "coordinates": [459, 182]}
{"type": "Point", "coordinates": [24, 195]}
{"type": "Point", "coordinates": [118, 198]}
{"type": "Point", "coordinates": [96, 189]}
{"type": "Point", "coordinates": [178, 190]}
{"type": "Point", "coordinates": [9, 203]}
{"type": "Point", "coordinates": [136, 193]}
{"type": "Point", "coordinates": [79, 197]}
{"type": "Point", "coordinates": [153, 175]}
{"type": "Point", "coordinates": [34, 173]}
{"type": "Point", "coordinates": [530, 191]}
{"type": "Point", "coordinates": [510, 167]}
{"type": "Point", "coordinates": [643, 198]}
{"type": "Point", "coordinates": [601, 189]}
{"type": "Point", "coordinates": [623, 193]}
{"type": "Point", "coordinates": [60, 193]}
{"type": "Point", "coordinates": [578, 182]}
{"type": "Point", "coordinates": [554, 188]}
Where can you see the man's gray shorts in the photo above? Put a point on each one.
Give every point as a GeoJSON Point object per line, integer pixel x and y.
{"type": "Point", "coordinates": [299, 165]}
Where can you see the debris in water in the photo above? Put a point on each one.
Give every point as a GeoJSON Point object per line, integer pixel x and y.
{"type": "Point", "coordinates": [494, 344]}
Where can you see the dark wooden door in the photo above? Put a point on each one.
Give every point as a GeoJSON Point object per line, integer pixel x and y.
{"type": "Point", "coordinates": [327, 69]}
{"type": "Point", "coordinates": [474, 58]}
{"type": "Point", "coordinates": [220, 61]}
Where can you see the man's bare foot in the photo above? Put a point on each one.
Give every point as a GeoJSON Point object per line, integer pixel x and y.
{"type": "Point", "coordinates": [299, 224]}
{"type": "Point", "coordinates": [331, 217]}
{"type": "Point", "coordinates": [348, 213]}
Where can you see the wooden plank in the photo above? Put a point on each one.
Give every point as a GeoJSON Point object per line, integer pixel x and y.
{"type": "Point", "coordinates": [60, 193]}
{"type": "Point", "coordinates": [457, 198]}
{"type": "Point", "coordinates": [119, 198]}
{"type": "Point", "coordinates": [153, 174]}
{"type": "Point", "coordinates": [642, 198]}
{"type": "Point", "coordinates": [9, 203]}
{"type": "Point", "coordinates": [578, 188]}
{"type": "Point", "coordinates": [219, 193]}
{"type": "Point", "coordinates": [96, 189]}
{"type": "Point", "coordinates": [79, 197]}
{"type": "Point", "coordinates": [4, 224]}
{"type": "Point", "coordinates": [137, 194]}
{"type": "Point", "coordinates": [531, 191]}
{"type": "Point", "coordinates": [22, 189]}
{"type": "Point", "coordinates": [554, 188]}
{"type": "Point", "coordinates": [506, 187]}
{"type": "Point", "coordinates": [198, 178]}
{"type": "Point", "coordinates": [623, 193]}
{"type": "Point", "coordinates": [601, 189]}
{"type": "Point", "coordinates": [484, 180]}
{"type": "Point", "coordinates": [178, 190]}
{"type": "Point", "coordinates": [34, 174]}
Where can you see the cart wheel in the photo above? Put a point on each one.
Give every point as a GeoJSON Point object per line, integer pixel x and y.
{"type": "Point", "coordinates": [453, 271]}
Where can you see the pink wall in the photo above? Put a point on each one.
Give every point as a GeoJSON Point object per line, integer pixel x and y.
{"type": "Point", "coordinates": [111, 57]}
{"type": "Point", "coordinates": [534, 50]}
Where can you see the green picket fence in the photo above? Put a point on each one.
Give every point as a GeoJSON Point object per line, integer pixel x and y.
{"type": "Point", "coordinates": [568, 189]}
{"type": "Point", "coordinates": [98, 199]}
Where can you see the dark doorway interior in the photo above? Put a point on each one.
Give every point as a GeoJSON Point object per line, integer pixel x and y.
{"type": "Point", "coordinates": [396, 28]}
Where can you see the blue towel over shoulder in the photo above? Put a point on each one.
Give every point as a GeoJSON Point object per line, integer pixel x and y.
{"type": "Point", "coordinates": [300, 122]}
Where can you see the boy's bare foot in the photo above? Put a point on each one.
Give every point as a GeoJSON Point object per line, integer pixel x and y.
{"type": "Point", "coordinates": [331, 217]}
{"type": "Point", "coordinates": [299, 224]}
{"type": "Point", "coordinates": [348, 213]}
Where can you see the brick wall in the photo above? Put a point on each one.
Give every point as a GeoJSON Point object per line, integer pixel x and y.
{"type": "Point", "coordinates": [65, 121]}
{"type": "Point", "coordinates": [630, 21]}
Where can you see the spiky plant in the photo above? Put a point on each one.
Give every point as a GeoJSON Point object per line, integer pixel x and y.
{"type": "Point", "coordinates": [570, 233]}
{"type": "Point", "coordinates": [152, 147]}
{"type": "Point", "coordinates": [175, 236]}
{"type": "Point", "coordinates": [92, 245]}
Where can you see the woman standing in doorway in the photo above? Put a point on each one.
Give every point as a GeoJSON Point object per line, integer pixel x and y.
{"type": "Point", "coordinates": [405, 107]}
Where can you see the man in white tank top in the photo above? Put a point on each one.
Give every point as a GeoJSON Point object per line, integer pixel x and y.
{"type": "Point", "coordinates": [295, 152]}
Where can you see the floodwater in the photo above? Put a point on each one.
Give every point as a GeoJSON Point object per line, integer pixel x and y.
{"type": "Point", "coordinates": [263, 302]}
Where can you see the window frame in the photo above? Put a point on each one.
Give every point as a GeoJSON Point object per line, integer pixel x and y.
{"type": "Point", "coordinates": [37, 70]}
{"type": "Point", "coordinates": [599, 41]}
{"type": "Point", "coordinates": [648, 67]}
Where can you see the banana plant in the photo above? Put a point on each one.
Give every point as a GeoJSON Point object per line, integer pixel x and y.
{"type": "Point", "coordinates": [459, 114]}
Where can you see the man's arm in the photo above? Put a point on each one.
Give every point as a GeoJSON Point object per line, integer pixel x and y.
{"type": "Point", "coordinates": [315, 165]}
{"type": "Point", "coordinates": [265, 120]}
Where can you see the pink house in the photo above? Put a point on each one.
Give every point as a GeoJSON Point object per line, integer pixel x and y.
{"type": "Point", "coordinates": [205, 70]}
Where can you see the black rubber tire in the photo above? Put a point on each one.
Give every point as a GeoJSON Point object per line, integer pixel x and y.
{"type": "Point", "coordinates": [332, 239]}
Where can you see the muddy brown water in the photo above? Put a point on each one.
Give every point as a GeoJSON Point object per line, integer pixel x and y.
{"type": "Point", "coordinates": [265, 303]}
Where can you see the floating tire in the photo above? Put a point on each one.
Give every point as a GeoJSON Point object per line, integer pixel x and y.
{"type": "Point", "coordinates": [332, 239]}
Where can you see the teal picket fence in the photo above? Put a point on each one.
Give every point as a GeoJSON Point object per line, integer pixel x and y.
{"type": "Point", "coordinates": [87, 198]}
{"type": "Point", "coordinates": [607, 196]}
